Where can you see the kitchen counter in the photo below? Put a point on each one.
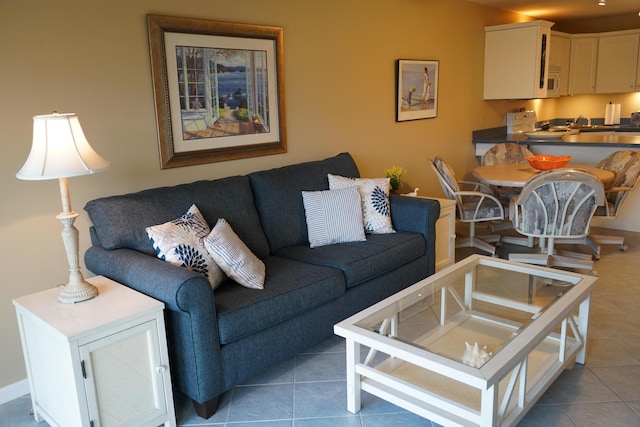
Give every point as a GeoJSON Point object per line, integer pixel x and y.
{"type": "Point", "coordinates": [622, 137]}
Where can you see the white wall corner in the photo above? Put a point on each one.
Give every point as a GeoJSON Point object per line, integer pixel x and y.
{"type": "Point", "coordinates": [14, 391]}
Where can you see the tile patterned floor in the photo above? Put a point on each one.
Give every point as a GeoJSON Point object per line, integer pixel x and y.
{"type": "Point", "coordinates": [309, 389]}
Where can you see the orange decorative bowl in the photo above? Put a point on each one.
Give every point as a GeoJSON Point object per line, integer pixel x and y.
{"type": "Point", "coordinates": [545, 162]}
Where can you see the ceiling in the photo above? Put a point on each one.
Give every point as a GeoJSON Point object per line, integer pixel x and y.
{"type": "Point", "coordinates": [564, 10]}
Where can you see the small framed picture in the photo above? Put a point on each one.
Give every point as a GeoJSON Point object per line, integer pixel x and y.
{"type": "Point", "coordinates": [416, 89]}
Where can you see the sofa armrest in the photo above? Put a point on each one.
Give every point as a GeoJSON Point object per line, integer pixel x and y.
{"type": "Point", "coordinates": [192, 330]}
{"type": "Point", "coordinates": [418, 215]}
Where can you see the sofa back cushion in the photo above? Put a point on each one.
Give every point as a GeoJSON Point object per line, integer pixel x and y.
{"type": "Point", "coordinates": [120, 221]}
{"type": "Point", "coordinates": [278, 196]}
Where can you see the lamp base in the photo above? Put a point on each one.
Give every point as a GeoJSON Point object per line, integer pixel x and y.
{"type": "Point", "coordinates": [78, 292]}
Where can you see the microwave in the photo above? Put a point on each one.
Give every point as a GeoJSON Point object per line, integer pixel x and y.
{"type": "Point", "coordinates": [553, 82]}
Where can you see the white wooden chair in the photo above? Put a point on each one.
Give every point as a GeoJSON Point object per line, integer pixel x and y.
{"type": "Point", "coordinates": [472, 206]}
{"type": "Point", "coordinates": [555, 205]}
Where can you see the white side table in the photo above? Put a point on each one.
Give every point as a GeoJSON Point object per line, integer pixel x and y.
{"type": "Point", "coordinates": [98, 363]}
{"type": "Point", "coordinates": [445, 233]}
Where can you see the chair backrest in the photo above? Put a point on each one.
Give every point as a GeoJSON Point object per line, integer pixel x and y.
{"type": "Point", "coordinates": [447, 178]}
{"type": "Point", "coordinates": [558, 203]}
{"type": "Point", "coordinates": [506, 153]}
{"type": "Point", "coordinates": [625, 164]}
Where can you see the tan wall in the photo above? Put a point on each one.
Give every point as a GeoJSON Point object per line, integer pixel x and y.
{"type": "Point", "coordinates": [92, 58]}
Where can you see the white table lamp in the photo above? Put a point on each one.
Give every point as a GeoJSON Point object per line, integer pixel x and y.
{"type": "Point", "coordinates": [59, 151]}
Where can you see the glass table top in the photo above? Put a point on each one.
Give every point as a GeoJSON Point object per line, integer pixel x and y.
{"type": "Point", "coordinates": [470, 312]}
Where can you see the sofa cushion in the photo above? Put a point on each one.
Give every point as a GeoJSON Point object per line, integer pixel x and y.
{"type": "Point", "coordinates": [180, 242]}
{"type": "Point", "coordinates": [233, 256]}
{"type": "Point", "coordinates": [120, 221]}
{"type": "Point", "coordinates": [277, 196]}
{"type": "Point", "coordinates": [291, 288]}
{"type": "Point", "coordinates": [333, 216]}
{"type": "Point", "coordinates": [374, 192]}
{"type": "Point", "coordinates": [361, 261]}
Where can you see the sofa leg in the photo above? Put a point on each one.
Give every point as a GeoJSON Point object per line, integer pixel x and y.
{"type": "Point", "coordinates": [206, 409]}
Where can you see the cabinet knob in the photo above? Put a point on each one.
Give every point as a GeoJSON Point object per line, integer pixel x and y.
{"type": "Point", "coordinates": [161, 369]}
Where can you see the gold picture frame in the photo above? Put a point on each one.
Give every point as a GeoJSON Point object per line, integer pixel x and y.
{"type": "Point", "coordinates": [218, 89]}
{"type": "Point", "coordinates": [416, 89]}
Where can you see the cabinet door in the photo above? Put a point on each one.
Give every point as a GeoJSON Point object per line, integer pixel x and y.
{"type": "Point", "coordinates": [559, 57]}
{"type": "Point", "coordinates": [516, 60]}
{"type": "Point", "coordinates": [617, 62]}
{"type": "Point", "coordinates": [124, 377]}
{"type": "Point", "coordinates": [582, 67]}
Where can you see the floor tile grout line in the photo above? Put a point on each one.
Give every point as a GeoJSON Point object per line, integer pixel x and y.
{"type": "Point", "coordinates": [606, 384]}
{"type": "Point", "coordinates": [568, 416]}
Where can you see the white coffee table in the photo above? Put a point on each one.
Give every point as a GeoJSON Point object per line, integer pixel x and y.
{"type": "Point", "coordinates": [532, 320]}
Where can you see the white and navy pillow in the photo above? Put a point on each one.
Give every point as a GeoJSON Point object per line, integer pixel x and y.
{"type": "Point", "coordinates": [333, 216]}
{"type": "Point", "coordinates": [234, 257]}
{"type": "Point", "coordinates": [180, 242]}
{"type": "Point", "coordinates": [374, 193]}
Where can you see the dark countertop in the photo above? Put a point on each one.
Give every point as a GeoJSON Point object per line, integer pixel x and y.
{"type": "Point", "coordinates": [587, 137]}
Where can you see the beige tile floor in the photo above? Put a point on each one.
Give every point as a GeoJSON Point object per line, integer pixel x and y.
{"type": "Point", "coordinates": [309, 389]}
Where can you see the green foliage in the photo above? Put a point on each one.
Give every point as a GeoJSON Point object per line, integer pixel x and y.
{"type": "Point", "coordinates": [241, 114]}
{"type": "Point", "coordinates": [395, 174]}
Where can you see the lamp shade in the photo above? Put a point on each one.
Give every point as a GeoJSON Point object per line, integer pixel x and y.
{"type": "Point", "coordinates": [60, 150]}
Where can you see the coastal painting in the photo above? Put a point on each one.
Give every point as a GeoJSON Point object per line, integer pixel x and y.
{"type": "Point", "coordinates": [416, 89]}
{"type": "Point", "coordinates": [218, 89]}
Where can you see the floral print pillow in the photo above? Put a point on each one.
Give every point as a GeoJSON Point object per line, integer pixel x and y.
{"type": "Point", "coordinates": [180, 242]}
{"type": "Point", "coordinates": [374, 195]}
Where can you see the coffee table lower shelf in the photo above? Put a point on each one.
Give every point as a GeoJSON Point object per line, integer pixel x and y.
{"type": "Point", "coordinates": [450, 402]}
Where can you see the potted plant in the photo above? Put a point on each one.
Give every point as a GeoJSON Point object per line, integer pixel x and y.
{"type": "Point", "coordinates": [395, 174]}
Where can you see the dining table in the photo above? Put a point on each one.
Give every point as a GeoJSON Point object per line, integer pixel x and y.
{"type": "Point", "coordinates": [517, 174]}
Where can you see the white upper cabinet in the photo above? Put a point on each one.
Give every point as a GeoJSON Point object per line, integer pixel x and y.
{"type": "Point", "coordinates": [617, 61]}
{"type": "Point", "coordinates": [516, 60]}
{"type": "Point", "coordinates": [582, 67]}
{"type": "Point", "coordinates": [559, 58]}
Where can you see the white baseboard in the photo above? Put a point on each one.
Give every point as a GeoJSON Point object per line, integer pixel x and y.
{"type": "Point", "coordinates": [14, 391]}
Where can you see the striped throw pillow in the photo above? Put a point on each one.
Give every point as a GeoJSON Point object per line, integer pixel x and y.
{"type": "Point", "coordinates": [333, 216]}
{"type": "Point", "coordinates": [234, 257]}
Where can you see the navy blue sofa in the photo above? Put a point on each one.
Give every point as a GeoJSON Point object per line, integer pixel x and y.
{"type": "Point", "coordinates": [220, 339]}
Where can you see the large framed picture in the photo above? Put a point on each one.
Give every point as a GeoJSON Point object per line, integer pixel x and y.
{"type": "Point", "coordinates": [416, 89]}
{"type": "Point", "coordinates": [218, 88]}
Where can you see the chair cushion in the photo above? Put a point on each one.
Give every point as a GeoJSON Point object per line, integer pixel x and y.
{"type": "Point", "coordinates": [291, 288]}
{"type": "Point", "coordinates": [506, 153]}
{"type": "Point", "coordinates": [447, 173]}
{"type": "Point", "coordinates": [549, 213]}
{"type": "Point", "coordinates": [361, 261]}
{"type": "Point", "coordinates": [488, 209]}
{"type": "Point", "coordinates": [625, 164]}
